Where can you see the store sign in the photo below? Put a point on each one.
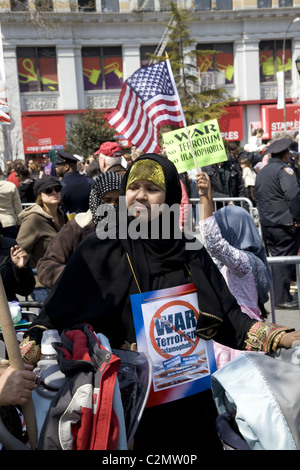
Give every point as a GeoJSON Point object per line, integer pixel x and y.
{"type": "Point", "coordinates": [231, 124]}
{"type": "Point", "coordinates": [43, 133]}
{"type": "Point", "coordinates": [272, 120]}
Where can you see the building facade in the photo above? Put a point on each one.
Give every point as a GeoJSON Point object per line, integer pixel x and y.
{"type": "Point", "coordinates": [63, 56]}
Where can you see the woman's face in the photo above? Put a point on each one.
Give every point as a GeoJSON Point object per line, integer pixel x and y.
{"type": "Point", "coordinates": [141, 196]}
{"type": "Point", "coordinates": [51, 195]}
{"type": "Point", "coordinates": [111, 197]}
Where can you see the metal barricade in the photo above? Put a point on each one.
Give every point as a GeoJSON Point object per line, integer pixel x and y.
{"type": "Point", "coordinates": [284, 260]}
{"type": "Point", "coordinates": [271, 260]}
{"type": "Point", "coordinates": [27, 204]}
{"type": "Point", "coordinates": [252, 210]}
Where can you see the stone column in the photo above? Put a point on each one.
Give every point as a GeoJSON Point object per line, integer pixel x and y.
{"type": "Point", "coordinates": [246, 69]}
{"type": "Point", "coordinates": [66, 70]}
{"type": "Point", "coordinates": [131, 59]}
{"type": "Point", "coordinates": [13, 133]}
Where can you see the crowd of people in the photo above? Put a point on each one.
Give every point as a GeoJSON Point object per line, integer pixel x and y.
{"type": "Point", "coordinates": [82, 276]}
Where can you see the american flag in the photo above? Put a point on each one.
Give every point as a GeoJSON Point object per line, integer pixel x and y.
{"type": "Point", "coordinates": [4, 117]}
{"type": "Point", "coordinates": [148, 101]}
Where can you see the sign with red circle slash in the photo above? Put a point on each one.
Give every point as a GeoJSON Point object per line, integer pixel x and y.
{"type": "Point", "coordinates": [165, 323]}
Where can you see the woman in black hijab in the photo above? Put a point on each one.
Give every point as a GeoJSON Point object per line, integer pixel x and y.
{"type": "Point", "coordinates": [98, 280]}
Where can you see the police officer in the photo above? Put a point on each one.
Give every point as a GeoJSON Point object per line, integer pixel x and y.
{"type": "Point", "coordinates": [277, 193]}
{"type": "Point", "coordinates": [76, 188]}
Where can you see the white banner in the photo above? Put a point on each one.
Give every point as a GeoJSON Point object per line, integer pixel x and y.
{"type": "Point", "coordinates": [280, 90]}
{"type": "Point", "coordinates": [4, 117]}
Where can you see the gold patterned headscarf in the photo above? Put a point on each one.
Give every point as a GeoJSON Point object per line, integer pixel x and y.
{"type": "Point", "coordinates": [149, 170]}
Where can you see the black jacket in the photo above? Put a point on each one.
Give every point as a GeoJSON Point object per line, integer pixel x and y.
{"type": "Point", "coordinates": [227, 180]}
{"type": "Point", "coordinates": [277, 193]}
{"type": "Point", "coordinates": [15, 280]}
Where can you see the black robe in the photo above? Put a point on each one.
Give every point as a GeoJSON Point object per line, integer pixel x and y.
{"type": "Point", "coordinates": [96, 285]}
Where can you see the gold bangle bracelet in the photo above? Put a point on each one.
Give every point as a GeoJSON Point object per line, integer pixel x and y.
{"type": "Point", "coordinates": [277, 340]}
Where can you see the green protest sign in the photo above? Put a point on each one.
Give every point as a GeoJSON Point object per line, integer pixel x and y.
{"type": "Point", "coordinates": [207, 146]}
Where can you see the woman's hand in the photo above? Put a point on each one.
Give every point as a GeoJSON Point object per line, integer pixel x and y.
{"type": "Point", "coordinates": [205, 195]}
{"type": "Point", "coordinates": [203, 184]}
{"type": "Point", "coordinates": [288, 339]}
{"type": "Point", "coordinates": [19, 256]}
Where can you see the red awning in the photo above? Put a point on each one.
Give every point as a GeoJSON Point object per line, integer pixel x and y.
{"type": "Point", "coordinates": [43, 133]}
{"type": "Point", "coordinates": [231, 123]}
{"type": "Point", "coordinates": [272, 121]}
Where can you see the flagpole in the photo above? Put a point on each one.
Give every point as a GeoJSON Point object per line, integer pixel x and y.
{"type": "Point", "coordinates": [198, 169]}
{"type": "Point", "coordinates": [176, 91]}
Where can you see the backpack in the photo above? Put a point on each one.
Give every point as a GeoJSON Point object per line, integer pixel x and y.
{"type": "Point", "coordinates": [97, 394]}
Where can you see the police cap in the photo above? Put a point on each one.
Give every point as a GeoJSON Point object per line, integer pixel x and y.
{"type": "Point", "coordinates": [279, 146]}
{"type": "Point", "coordinates": [64, 157]}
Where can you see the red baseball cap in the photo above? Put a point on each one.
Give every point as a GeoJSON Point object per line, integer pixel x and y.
{"type": "Point", "coordinates": [110, 149]}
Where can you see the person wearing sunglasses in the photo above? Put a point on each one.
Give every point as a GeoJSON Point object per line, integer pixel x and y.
{"type": "Point", "coordinates": [41, 221]}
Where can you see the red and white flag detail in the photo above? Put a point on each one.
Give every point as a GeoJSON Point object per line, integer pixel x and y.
{"type": "Point", "coordinates": [148, 100]}
{"type": "Point", "coordinates": [4, 118]}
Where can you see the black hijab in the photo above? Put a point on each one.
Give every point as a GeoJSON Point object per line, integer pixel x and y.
{"type": "Point", "coordinates": [153, 256]}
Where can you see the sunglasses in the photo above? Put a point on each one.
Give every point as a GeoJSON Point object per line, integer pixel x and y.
{"type": "Point", "coordinates": [57, 189]}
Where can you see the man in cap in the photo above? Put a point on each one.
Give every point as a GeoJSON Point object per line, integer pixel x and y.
{"type": "Point", "coordinates": [110, 158]}
{"type": "Point", "coordinates": [277, 193]}
{"type": "Point", "coordinates": [76, 187]}
{"type": "Point", "coordinates": [49, 166]}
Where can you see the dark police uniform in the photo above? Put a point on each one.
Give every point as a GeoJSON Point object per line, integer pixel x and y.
{"type": "Point", "coordinates": [76, 188]}
{"type": "Point", "coordinates": [277, 193]}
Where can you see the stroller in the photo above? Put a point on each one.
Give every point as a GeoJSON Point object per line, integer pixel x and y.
{"type": "Point", "coordinates": [258, 400]}
{"type": "Point", "coordinates": [110, 386]}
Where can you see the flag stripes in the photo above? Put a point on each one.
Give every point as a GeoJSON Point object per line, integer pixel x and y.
{"type": "Point", "coordinates": [148, 101]}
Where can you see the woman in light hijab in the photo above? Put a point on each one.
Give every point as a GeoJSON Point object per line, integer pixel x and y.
{"type": "Point", "coordinates": [232, 239]}
{"type": "Point", "coordinates": [96, 285]}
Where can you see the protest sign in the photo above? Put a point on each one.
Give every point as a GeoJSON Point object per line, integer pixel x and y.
{"type": "Point", "coordinates": [206, 141]}
{"type": "Point", "coordinates": [165, 322]}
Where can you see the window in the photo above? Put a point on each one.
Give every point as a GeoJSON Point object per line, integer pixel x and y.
{"type": "Point", "coordinates": [86, 5]}
{"type": "Point", "coordinates": [221, 61]}
{"type": "Point", "coordinates": [146, 5]}
{"type": "Point", "coordinates": [37, 69]}
{"type": "Point", "coordinates": [270, 60]}
{"type": "Point", "coordinates": [285, 3]}
{"type": "Point", "coordinates": [144, 51]}
{"type": "Point", "coordinates": [203, 5]}
{"type": "Point", "coordinates": [165, 5]}
{"type": "Point", "coordinates": [18, 5]}
{"type": "Point", "coordinates": [102, 68]}
{"type": "Point", "coordinates": [264, 3]}
{"type": "Point", "coordinates": [222, 5]}
{"type": "Point", "coordinates": [110, 5]}
{"type": "Point", "coordinates": [44, 5]}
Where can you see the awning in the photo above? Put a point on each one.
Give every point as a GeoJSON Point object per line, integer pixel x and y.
{"type": "Point", "coordinates": [43, 133]}
{"type": "Point", "coordinates": [231, 123]}
{"type": "Point", "coordinates": [272, 121]}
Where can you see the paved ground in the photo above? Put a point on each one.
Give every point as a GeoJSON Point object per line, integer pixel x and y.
{"type": "Point", "coordinates": [286, 317]}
